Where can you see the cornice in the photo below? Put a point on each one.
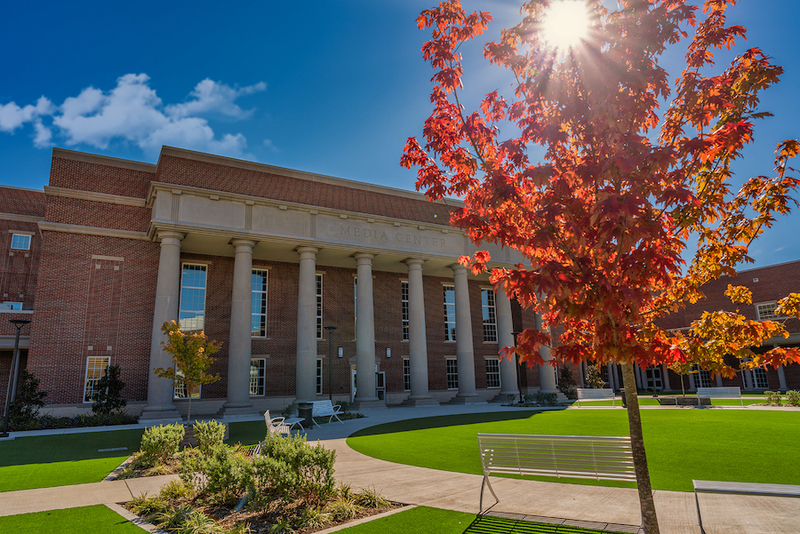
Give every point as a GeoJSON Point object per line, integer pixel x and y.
{"type": "Point", "coordinates": [20, 218]}
{"type": "Point", "coordinates": [92, 230]}
{"type": "Point", "coordinates": [63, 153]}
{"type": "Point", "coordinates": [94, 196]}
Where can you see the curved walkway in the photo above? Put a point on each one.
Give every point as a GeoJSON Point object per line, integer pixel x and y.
{"type": "Point", "coordinates": [588, 506]}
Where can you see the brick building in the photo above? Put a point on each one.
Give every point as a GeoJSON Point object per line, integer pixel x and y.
{"type": "Point", "coordinates": [262, 259]}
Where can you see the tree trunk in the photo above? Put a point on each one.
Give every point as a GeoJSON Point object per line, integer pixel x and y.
{"type": "Point", "coordinates": [649, 519]}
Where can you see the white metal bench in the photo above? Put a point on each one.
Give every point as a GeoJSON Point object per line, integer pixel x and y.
{"type": "Point", "coordinates": [281, 425]}
{"type": "Point", "coordinates": [720, 393]}
{"type": "Point", "coordinates": [741, 488]}
{"type": "Point", "coordinates": [598, 457]}
{"type": "Point", "coordinates": [326, 409]}
{"type": "Point", "coordinates": [596, 394]}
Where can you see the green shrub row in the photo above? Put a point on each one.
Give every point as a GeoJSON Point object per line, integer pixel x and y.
{"type": "Point", "coordinates": [774, 398]}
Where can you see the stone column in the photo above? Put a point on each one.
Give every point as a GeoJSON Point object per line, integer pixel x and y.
{"type": "Point", "coordinates": [547, 373]}
{"type": "Point", "coordinates": [582, 370]}
{"type": "Point", "coordinates": [306, 384]}
{"type": "Point", "coordinates": [665, 378]}
{"type": "Point", "coordinates": [365, 334]}
{"type": "Point", "coordinates": [612, 380]}
{"type": "Point", "coordinates": [239, 346]}
{"type": "Point", "coordinates": [464, 351]}
{"type": "Point", "coordinates": [505, 338]}
{"type": "Point", "coordinates": [718, 378]}
{"type": "Point", "coordinates": [168, 291]}
{"type": "Point", "coordinates": [691, 382]}
{"type": "Point", "coordinates": [615, 370]}
{"type": "Point", "coordinates": [748, 379]}
{"type": "Point", "coordinates": [417, 337]}
{"type": "Point", "coordinates": [782, 378]}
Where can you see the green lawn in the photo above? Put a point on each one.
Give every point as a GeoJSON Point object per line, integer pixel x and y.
{"type": "Point", "coordinates": [681, 445]}
{"type": "Point", "coordinates": [71, 521]}
{"type": "Point", "coordinates": [48, 461]}
{"type": "Point", "coordinates": [424, 520]}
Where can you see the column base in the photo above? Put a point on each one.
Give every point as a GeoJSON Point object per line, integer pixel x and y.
{"type": "Point", "coordinates": [157, 415]}
{"type": "Point", "coordinates": [237, 409]}
{"type": "Point", "coordinates": [420, 400]}
{"type": "Point", "coordinates": [467, 399]}
{"type": "Point", "coordinates": [368, 404]}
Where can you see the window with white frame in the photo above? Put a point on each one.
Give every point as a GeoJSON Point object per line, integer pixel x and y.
{"type": "Point", "coordinates": [319, 305]}
{"type": "Point", "coordinates": [183, 392]}
{"type": "Point", "coordinates": [258, 376]}
{"type": "Point", "coordinates": [406, 374]}
{"type": "Point", "coordinates": [766, 311]}
{"type": "Point", "coordinates": [20, 242]}
{"type": "Point", "coordinates": [760, 378]}
{"type": "Point", "coordinates": [319, 376]}
{"type": "Point", "coordinates": [404, 308]}
{"type": "Point", "coordinates": [449, 297]}
{"type": "Point", "coordinates": [489, 315]}
{"type": "Point", "coordinates": [9, 305]}
{"type": "Point", "coordinates": [703, 378]}
{"type": "Point", "coordinates": [193, 297]}
{"type": "Point", "coordinates": [259, 306]}
{"type": "Point", "coordinates": [492, 372]}
{"type": "Point", "coordinates": [95, 369]}
{"type": "Point", "coordinates": [451, 371]}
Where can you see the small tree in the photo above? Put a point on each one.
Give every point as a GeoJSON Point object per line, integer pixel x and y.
{"type": "Point", "coordinates": [593, 377]}
{"type": "Point", "coordinates": [108, 394]}
{"type": "Point", "coordinates": [566, 383]}
{"type": "Point", "coordinates": [191, 356]}
{"type": "Point", "coordinates": [27, 401]}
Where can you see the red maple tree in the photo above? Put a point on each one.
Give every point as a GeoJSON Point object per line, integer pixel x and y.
{"type": "Point", "coordinates": [604, 217]}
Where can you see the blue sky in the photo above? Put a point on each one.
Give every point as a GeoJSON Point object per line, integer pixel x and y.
{"type": "Point", "coordinates": [332, 87]}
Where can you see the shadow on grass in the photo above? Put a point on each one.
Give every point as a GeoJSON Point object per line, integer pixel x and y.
{"type": "Point", "coordinates": [69, 447]}
{"type": "Point", "coordinates": [443, 421]}
{"type": "Point", "coordinates": [487, 524]}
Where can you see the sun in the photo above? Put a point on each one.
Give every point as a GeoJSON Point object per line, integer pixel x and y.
{"type": "Point", "coordinates": [566, 24]}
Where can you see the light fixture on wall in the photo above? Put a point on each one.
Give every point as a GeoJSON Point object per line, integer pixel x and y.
{"type": "Point", "coordinates": [388, 352]}
{"type": "Point", "coordinates": [341, 352]}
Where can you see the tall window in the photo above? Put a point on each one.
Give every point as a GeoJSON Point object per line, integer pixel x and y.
{"type": "Point", "coordinates": [760, 378]}
{"type": "Point", "coordinates": [20, 242]}
{"type": "Point", "coordinates": [319, 376]}
{"type": "Point", "coordinates": [259, 309]}
{"type": "Point", "coordinates": [193, 297]}
{"type": "Point", "coordinates": [95, 369]}
{"type": "Point", "coordinates": [404, 308]}
{"type": "Point", "coordinates": [258, 375]}
{"type": "Point", "coordinates": [703, 378]}
{"type": "Point", "coordinates": [766, 311]}
{"type": "Point", "coordinates": [492, 372]}
{"type": "Point", "coordinates": [319, 306]}
{"type": "Point", "coordinates": [489, 315]}
{"type": "Point", "coordinates": [451, 370]}
{"type": "Point", "coordinates": [449, 294]}
{"type": "Point", "coordinates": [406, 374]}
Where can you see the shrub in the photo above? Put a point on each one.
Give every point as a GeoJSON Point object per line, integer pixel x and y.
{"type": "Point", "coordinates": [223, 476]}
{"type": "Point", "coordinates": [547, 399]}
{"type": "Point", "coordinates": [341, 510]}
{"type": "Point", "coordinates": [159, 443]}
{"type": "Point", "coordinates": [773, 398]}
{"type": "Point", "coordinates": [291, 469]}
{"type": "Point", "coordinates": [566, 383]}
{"type": "Point", "coordinates": [511, 398]}
{"type": "Point", "coordinates": [529, 397]}
{"type": "Point", "coordinates": [793, 398]}
{"type": "Point", "coordinates": [209, 435]}
{"type": "Point", "coordinates": [108, 394]}
{"type": "Point", "coordinates": [371, 498]}
{"type": "Point", "coordinates": [27, 402]}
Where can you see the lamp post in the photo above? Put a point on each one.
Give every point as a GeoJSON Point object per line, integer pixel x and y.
{"type": "Point", "coordinates": [330, 330]}
{"type": "Point", "coordinates": [12, 380]}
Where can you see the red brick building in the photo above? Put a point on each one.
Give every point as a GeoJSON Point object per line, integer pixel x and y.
{"type": "Point", "coordinates": [262, 259]}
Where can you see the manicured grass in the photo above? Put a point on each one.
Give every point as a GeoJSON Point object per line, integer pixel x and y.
{"type": "Point", "coordinates": [70, 521]}
{"type": "Point", "coordinates": [681, 445]}
{"type": "Point", "coordinates": [424, 520]}
{"type": "Point", "coordinates": [48, 461]}
{"type": "Point", "coordinates": [651, 401]}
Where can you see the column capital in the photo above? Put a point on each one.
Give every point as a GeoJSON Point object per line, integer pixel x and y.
{"type": "Point", "coordinates": [363, 258]}
{"type": "Point", "coordinates": [309, 253]}
{"type": "Point", "coordinates": [161, 235]}
{"type": "Point", "coordinates": [249, 243]}
{"type": "Point", "coordinates": [458, 268]}
{"type": "Point", "coordinates": [414, 262]}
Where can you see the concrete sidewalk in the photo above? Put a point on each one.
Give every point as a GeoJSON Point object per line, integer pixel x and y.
{"type": "Point", "coordinates": [587, 506]}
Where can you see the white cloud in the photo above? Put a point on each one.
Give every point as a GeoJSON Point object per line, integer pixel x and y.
{"type": "Point", "coordinates": [133, 113]}
{"type": "Point", "coordinates": [12, 116]}
{"type": "Point", "coordinates": [210, 96]}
